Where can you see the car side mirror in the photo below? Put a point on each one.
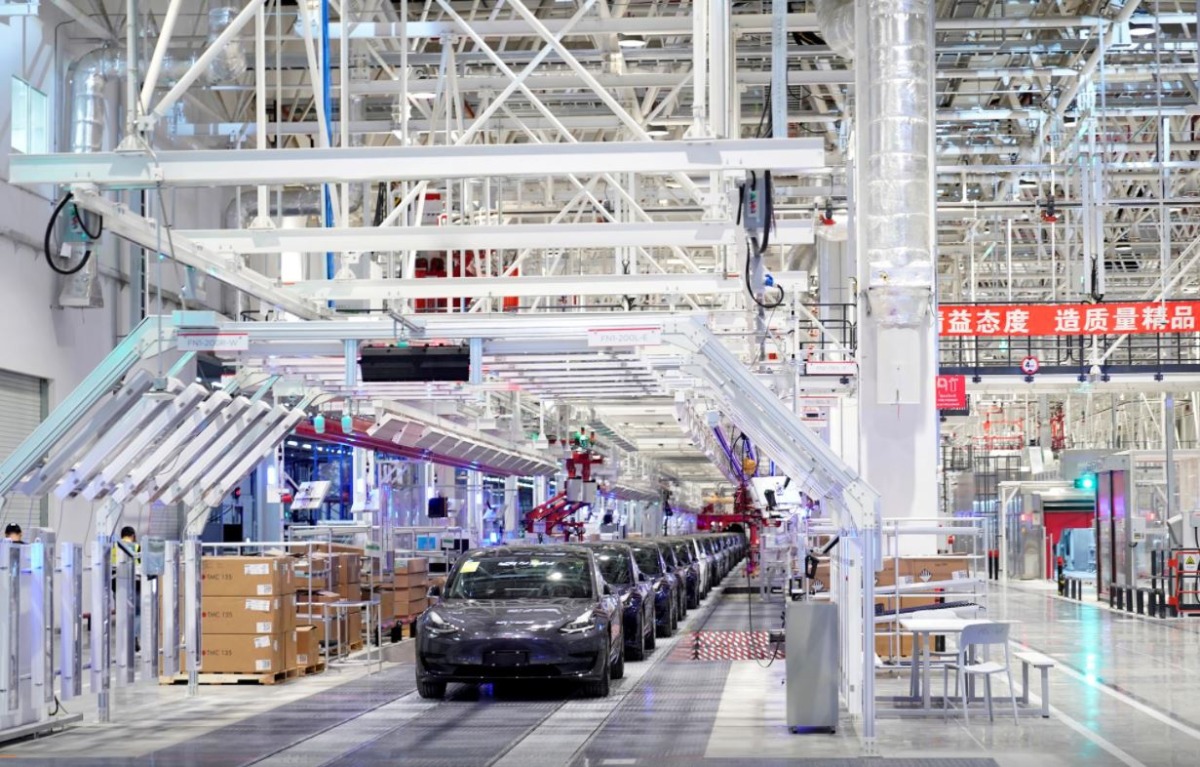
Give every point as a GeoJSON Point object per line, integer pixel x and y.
{"type": "Point", "coordinates": [435, 592]}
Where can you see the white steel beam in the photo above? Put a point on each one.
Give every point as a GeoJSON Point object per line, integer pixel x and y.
{"type": "Point", "coordinates": [482, 287]}
{"type": "Point", "coordinates": [412, 163]}
{"type": "Point", "coordinates": [668, 26]}
{"type": "Point", "coordinates": [483, 237]}
{"type": "Point", "coordinates": [657, 234]}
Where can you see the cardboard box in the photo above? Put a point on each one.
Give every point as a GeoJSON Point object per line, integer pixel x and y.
{"type": "Point", "coordinates": [354, 626]}
{"type": "Point", "coordinates": [412, 607]}
{"type": "Point", "coordinates": [387, 601]}
{"type": "Point", "coordinates": [822, 583]}
{"type": "Point", "coordinates": [887, 576]}
{"type": "Point", "coordinates": [243, 653]}
{"type": "Point", "coordinates": [410, 580]}
{"type": "Point", "coordinates": [313, 573]}
{"type": "Point", "coordinates": [246, 576]}
{"type": "Point", "coordinates": [247, 615]}
{"type": "Point", "coordinates": [308, 646]}
{"type": "Point", "coordinates": [934, 569]}
{"type": "Point", "coordinates": [312, 609]}
{"type": "Point", "coordinates": [349, 567]}
{"type": "Point", "coordinates": [289, 650]}
{"type": "Point", "coordinates": [350, 591]}
{"type": "Point", "coordinates": [892, 647]}
{"type": "Point", "coordinates": [412, 565]}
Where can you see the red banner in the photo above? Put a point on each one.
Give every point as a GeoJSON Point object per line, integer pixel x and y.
{"type": "Point", "coordinates": [951, 392]}
{"type": "Point", "coordinates": [1067, 319]}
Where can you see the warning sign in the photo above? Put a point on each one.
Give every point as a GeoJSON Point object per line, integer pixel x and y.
{"type": "Point", "coordinates": [925, 575]}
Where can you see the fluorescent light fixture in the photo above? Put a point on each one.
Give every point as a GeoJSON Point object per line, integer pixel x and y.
{"type": "Point", "coordinates": [1028, 182]}
{"type": "Point", "coordinates": [631, 41]}
{"type": "Point", "coordinates": [1141, 30]}
{"type": "Point", "coordinates": [422, 95]}
{"type": "Point", "coordinates": [657, 130]}
{"type": "Point", "coordinates": [1123, 247]}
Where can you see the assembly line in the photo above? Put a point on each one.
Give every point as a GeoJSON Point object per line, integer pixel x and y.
{"type": "Point", "coordinates": [599, 383]}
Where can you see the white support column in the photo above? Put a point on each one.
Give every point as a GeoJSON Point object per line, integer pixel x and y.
{"type": "Point", "coordinates": [779, 64]}
{"type": "Point", "coordinates": [474, 520]}
{"type": "Point", "coordinates": [262, 218]}
{"type": "Point", "coordinates": [897, 336]}
{"type": "Point", "coordinates": [721, 80]}
{"type": "Point", "coordinates": [701, 124]}
{"type": "Point", "coordinates": [512, 506]}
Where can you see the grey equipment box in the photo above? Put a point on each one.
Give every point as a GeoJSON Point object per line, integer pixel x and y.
{"type": "Point", "coordinates": [812, 666]}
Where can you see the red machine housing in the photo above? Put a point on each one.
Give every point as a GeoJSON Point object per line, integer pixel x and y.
{"type": "Point", "coordinates": [556, 512]}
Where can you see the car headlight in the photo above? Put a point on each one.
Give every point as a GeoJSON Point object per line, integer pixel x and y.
{"type": "Point", "coordinates": [439, 626]}
{"type": "Point", "coordinates": [584, 622]}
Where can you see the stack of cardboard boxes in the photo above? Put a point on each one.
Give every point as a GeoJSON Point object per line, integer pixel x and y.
{"type": "Point", "coordinates": [247, 615]}
{"type": "Point", "coordinates": [410, 588]}
{"type": "Point", "coordinates": [329, 578]}
{"type": "Point", "coordinates": [891, 641]}
{"type": "Point", "coordinates": [913, 571]}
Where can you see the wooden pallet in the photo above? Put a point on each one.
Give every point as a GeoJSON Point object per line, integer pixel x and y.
{"type": "Point", "coordinates": [207, 679]}
{"type": "Point", "coordinates": [316, 668]}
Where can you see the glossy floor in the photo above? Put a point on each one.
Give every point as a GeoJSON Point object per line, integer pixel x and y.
{"type": "Point", "coordinates": [1123, 693]}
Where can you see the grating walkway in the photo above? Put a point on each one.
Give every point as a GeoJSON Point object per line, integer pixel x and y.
{"type": "Point", "coordinates": [1122, 695]}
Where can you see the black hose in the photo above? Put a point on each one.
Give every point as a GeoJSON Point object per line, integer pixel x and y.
{"type": "Point", "coordinates": [82, 225]}
{"type": "Point", "coordinates": [749, 289]}
{"type": "Point", "coordinates": [46, 241]}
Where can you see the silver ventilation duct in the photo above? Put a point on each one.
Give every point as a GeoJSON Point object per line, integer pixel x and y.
{"type": "Point", "coordinates": [835, 18]}
{"type": "Point", "coordinates": [899, 206]}
{"type": "Point", "coordinates": [230, 63]}
{"type": "Point", "coordinates": [89, 77]}
{"type": "Point", "coordinates": [296, 202]}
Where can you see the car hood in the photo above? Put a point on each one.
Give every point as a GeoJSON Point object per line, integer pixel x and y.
{"type": "Point", "coordinates": [512, 614]}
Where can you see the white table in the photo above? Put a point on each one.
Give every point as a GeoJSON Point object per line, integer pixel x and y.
{"type": "Point", "coordinates": [923, 630]}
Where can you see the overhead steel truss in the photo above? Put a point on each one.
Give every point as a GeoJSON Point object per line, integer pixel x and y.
{"type": "Point", "coordinates": [120, 170]}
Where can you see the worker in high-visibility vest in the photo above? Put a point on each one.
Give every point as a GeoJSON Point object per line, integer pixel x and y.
{"type": "Point", "coordinates": [127, 546]}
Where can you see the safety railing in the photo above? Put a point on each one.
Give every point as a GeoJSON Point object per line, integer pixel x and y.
{"type": "Point", "coordinates": [1153, 353]}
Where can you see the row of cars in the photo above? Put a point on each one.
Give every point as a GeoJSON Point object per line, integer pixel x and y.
{"type": "Point", "coordinates": [569, 611]}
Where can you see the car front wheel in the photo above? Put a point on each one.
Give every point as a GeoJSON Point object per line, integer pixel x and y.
{"type": "Point", "coordinates": [601, 686]}
{"type": "Point", "coordinates": [618, 668]}
{"type": "Point", "coordinates": [431, 690]}
{"type": "Point", "coordinates": [636, 649]}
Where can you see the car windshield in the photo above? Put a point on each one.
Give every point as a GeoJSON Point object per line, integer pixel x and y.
{"type": "Point", "coordinates": [684, 552]}
{"type": "Point", "coordinates": [668, 554]}
{"type": "Point", "coordinates": [614, 565]}
{"type": "Point", "coordinates": [647, 560]}
{"type": "Point", "coordinates": [550, 575]}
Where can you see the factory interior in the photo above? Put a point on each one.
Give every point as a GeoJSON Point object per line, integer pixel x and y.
{"type": "Point", "coordinates": [583, 383]}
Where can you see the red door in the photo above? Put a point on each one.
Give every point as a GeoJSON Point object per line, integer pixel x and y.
{"type": "Point", "coordinates": [1057, 521]}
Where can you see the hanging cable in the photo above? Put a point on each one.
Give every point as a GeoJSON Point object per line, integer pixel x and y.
{"type": "Point", "coordinates": [47, 241]}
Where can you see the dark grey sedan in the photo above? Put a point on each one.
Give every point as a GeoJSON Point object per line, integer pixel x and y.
{"type": "Point", "coordinates": [522, 612]}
